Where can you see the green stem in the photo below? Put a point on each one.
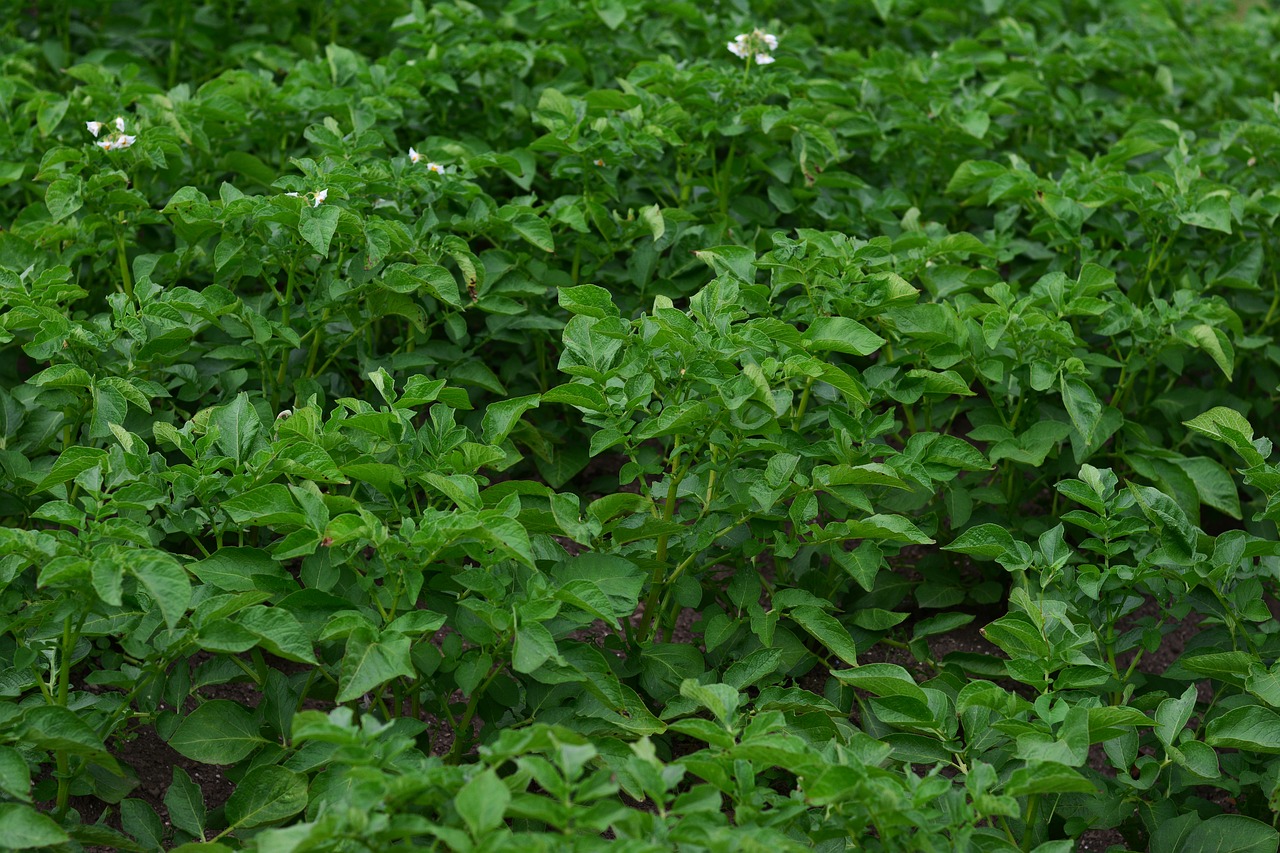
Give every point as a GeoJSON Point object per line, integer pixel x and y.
{"type": "Point", "coordinates": [316, 334]}
{"type": "Point", "coordinates": [175, 43]}
{"type": "Point", "coordinates": [1033, 803]}
{"type": "Point", "coordinates": [464, 725]}
{"type": "Point", "coordinates": [804, 404]}
{"type": "Point", "coordinates": [351, 337]}
{"type": "Point", "coordinates": [1275, 303]}
{"type": "Point", "coordinates": [126, 279]}
{"type": "Point", "coordinates": [660, 555]}
{"type": "Point", "coordinates": [69, 638]}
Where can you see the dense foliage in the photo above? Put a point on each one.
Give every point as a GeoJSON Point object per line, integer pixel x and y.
{"type": "Point", "coordinates": [555, 425]}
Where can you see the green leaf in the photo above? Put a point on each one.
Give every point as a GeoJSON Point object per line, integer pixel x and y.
{"type": "Point", "coordinates": [534, 229]}
{"type": "Point", "coordinates": [1172, 715]}
{"type": "Point", "coordinates": [985, 541]}
{"type": "Point", "coordinates": [589, 597]}
{"type": "Point", "coordinates": [1212, 212]}
{"type": "Point", "coordinates": [1229, 427]}
{"type": "Point", "coordinates": [1162, 510]}
{"type": "Point", "coordinates": [317, 225]}
{"type": "Point", "coordinates": [62, 376]}
{"type": "Point", "coordinates": [619, 578]}
{"type": "Point", "coordinates": [1230, 833]}
{"type": "Point", "coordinates": [1251, 728]}
{"type": "Point", "coordinates": [1214, 485]}
{"type": "Point", "coordinates": [1197, 757]}
{"type": "Point", "coordinates": [265, 795]}
{"type": "Point", "coordinates": [165, 580]}
{"type": "Point", "coordinates": [1214, 342]}
{"type": "Point", "coordinates": [575, 394]}
{"type": "Point", "coordinates": [435, 279]}
{"type": "Point", "coordinates": [534, 646]}
{"type": "Point", "coordinates": [888, 528]}
{"type": "Point", "coordinates": [218, 732]}
{"type": "Point", "coordinates": [842, 334]}
{"type": "Point", "coordinates": [15, 776]}
{"type": "Point", "coordinates": [753, 668]}
{"type": "Point", "coordinates": [483, 802]}
{"type": "Point", "coordinates": [269, 504]}
{"type": "Point", "coordinates": [720, 699]}
{"type": "Point", "coordinates": [185, 803]}
{"type": "Point", "coordinates": [23, 828]}
{"type": "Point", "coordinates": [824, 628]}
{"type": "Point", "coordinates": [279, 632]}
{"type": "Point", "coordinates": [1082, 406]}
{"type": "Point", "coordinates": [238, 425]}
{"type": "Point", "coordinates": [53, 727]}
{"type": "Point", "coordinates": [675, 419]}
{"type": "Point", "coordinates": [882, 679]}
{"type": "Point", "coordinates": [501, 417]}
{"type": "Point", "coordinates": [664, 666]}
{"type": "Point", "coordinates": [613, 13]}
{"type": "Point", "coordinates": [459, 488]}
{"type": "Point", "coordinates": [371, 661]}
{"type": "Point", "coordinates": [739, 260]}
{"type": "Point", "coordinates": [241, 570]}
{"type": "Point", "coordinates": [73, 462]}
{"type": "Point", "coordinates": [651, 216]}
{"type": "Point", "coordinates": [588, 300]}
{"type": "Point", "coordinates": [141, 821]}
{"type": "Point", "coordinates": [63, 197]}
{"type": "Point", "coordinates": [1044, 777]}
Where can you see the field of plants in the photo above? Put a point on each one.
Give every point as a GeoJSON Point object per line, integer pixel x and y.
{"type": "Point", "coordinates": [652, 425]}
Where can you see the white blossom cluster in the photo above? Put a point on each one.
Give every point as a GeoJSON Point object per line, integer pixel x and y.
{"type": "Point", "coordinates": [115, 141]}
{"type": "Point", "coordinates": [756, 45]}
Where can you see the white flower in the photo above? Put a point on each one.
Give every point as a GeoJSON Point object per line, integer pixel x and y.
{"type": "Point", "coordinates": [124, 140]}
{"type": "Point", "coordinates": [105, 144]}
{"type": "Point", "coordinates": [292, 195]}
{"type": "Point", "coordinates": [285, 415]}
{"type": "Point", "coordinates": [435, 167]}
{"type": "Point", "coordinates": [95, 127]}
{"type": "Point", "coordinates": [414, 156]}
{"type": "Point", "coordinates": [599, 162]}
{"type": "Point", "coordinates": [319, 197]}
{"type": "Point", "coordinates": [119, 124]}
{"type": "Point", "coordinates": [754, 45]}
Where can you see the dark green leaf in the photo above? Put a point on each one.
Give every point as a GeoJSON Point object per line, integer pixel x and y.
{"type": "Point", "coordinates": [218, 732]}
{"type": "Point", "coordinates": [265, 795]}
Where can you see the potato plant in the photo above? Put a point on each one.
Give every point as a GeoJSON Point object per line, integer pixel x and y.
{"type": "Point", "coordinates": [639, 424]}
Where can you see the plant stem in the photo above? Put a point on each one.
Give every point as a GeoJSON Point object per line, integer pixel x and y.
{"type": "Point", "coordinates": [464, 725]}
{"type": "Point", "coordinates": [64, 688]}
{"type": "Point", "coordinates": [1033, 802]}
{"type": "Point", "coordinates": [126, 279]}
{"type": "Point", "coordinates": [804, 404]}
{"type": "Point", "coordinates": [660, 555]}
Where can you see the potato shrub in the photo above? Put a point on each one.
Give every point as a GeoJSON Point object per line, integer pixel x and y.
{"type": "Point", "coordinates": [639, 424]}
